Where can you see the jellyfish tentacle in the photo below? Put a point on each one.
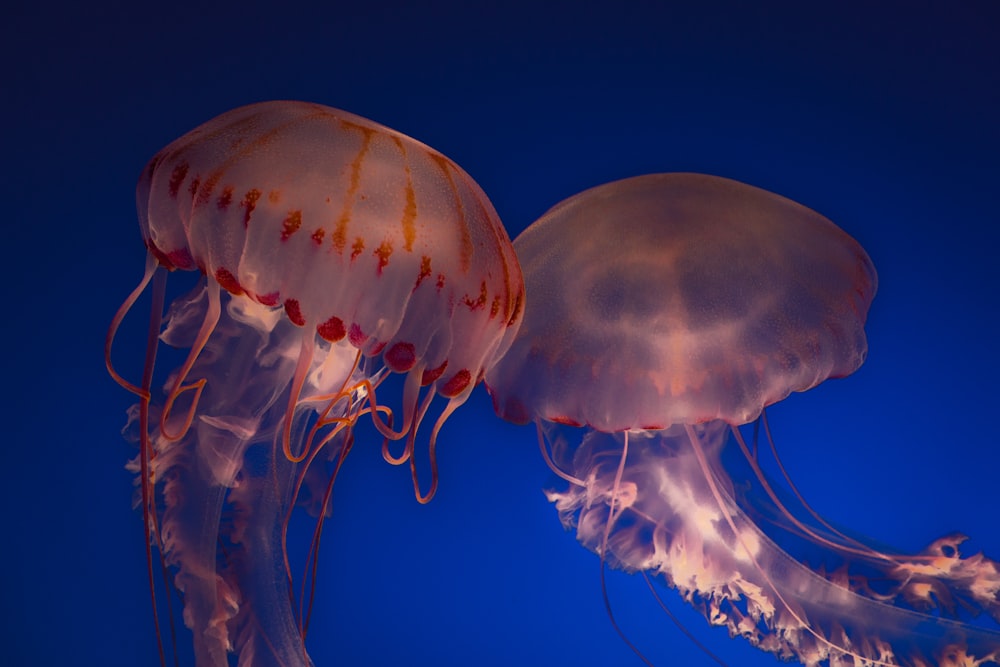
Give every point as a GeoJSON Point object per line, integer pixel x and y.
{"type": "Point", "coordinates": [412, 407]}
{"type": "Point", "coordinates": [862, 550]}
{"type": "Point", "coordinates": [411, 395]}
{"type": "Point", "coordinates": [312, 453]}
{"type": "Point", "coordinates": [415, 415]}
{"type": "Point", "coordinates": [179, 388]}
{"type": "Point", "coordinates": [453, 404]}
{"type": "Point", "coordinates": [313, 553]}
{"type": "Point", "coordinates": [386, 428]}
{"type": "Point", "coordinates": [609, 522]}
{"type": "Point", "coordinates": [548, 458]}
{"type": "Point", "coordinates": [343, 428]}
{"type": "Point", "coordinates": [727, 513]}
{"type": "Point", "coordinates": [431, 450]}
{"type": "Point", "coordinates": [924, 581]}
{"type": "Point", "coordinates": [772, 599]}
{"type": "Point", "coordinates": [151, 268]}
{"type": "Point", "coordinates": [812, 512]}
{"type": "Point", "coordinates": [301, 370]}
{"type": "Point", "coordinates": [147, 451]}
{"type": "Point", "coordinates": [897, 560]}
{"type": "Point", "coordinates": [392, 459]}
{"type": "Point", "coordinates": [239, 412]}
{"type": "Point", "coordinates": [677, 622]}
{"type": "Point", "coordinates": [146, 454]}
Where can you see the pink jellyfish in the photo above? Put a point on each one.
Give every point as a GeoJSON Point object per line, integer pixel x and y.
{"type": "Point", "coordinates": [666, 310]}
{"type": "Point", "coordinates": [333, 251]}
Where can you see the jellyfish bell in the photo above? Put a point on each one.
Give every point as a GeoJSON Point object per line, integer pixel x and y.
{"type": "Point", "coordinates": [333, 252]}
{"type": "Point", "coordinates": [716, 298]}
{"type": "Point", "coordinates": [663, 312]}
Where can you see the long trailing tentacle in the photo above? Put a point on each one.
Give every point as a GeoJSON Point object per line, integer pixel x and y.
{"type": "Point", "coordinates": [301, 370]}
{"type": "Point", "coordinates": [548, 458]}
{"type": "Point", "coordinates": [805, 505]}
{"type": "Point", "coordinates": [677, 622]}
{"type": "Point", "coordinates": [727, 513]}
{"type": "Point", "coordinates": [311, 569]}
{"type": "Point", "coordinates": [861, 550]}
{"type": "Point", "coordinates": [612, 517]}
{"type": "Point", "coordinates": [144, 392]}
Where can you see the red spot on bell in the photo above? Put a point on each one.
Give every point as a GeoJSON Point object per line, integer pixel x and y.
{"type": "Point", "coordinates": [515, 311]}
{"type": "Point", "coordinates": [269, 299]}
{"type": "Point", "coordinates": [291, 224]}
{"type": "Point", "coordinates": [205, 191]}
{"type": "Point", "coordinates": [357, 248]}
{"type": "Point", "coordinates": [228, 281]}
{"type": "Point", "coordinates": [457, 384]}
{"type": "Point", "coordinates": [294, 312]}
{"type": "Point", "coordinates": [226, 198]}
{"type": "Point", "coordinates": [176, 259]}
{"type": "Point", "coordinates": [513, 411]}
{"type": "Point", "coordinates": [356, 335]}
{"type": "Point", "coordinates": [433, 374]}
{"type": "Point", "coordinates": [479, 301]}
{"type": "Point", "coordinates": [332, 330]}
{"type": "Point", "coordinates": [425, 270]}
{"type": "Point", "coordinates": [249, 203]}
{"type": "Point", "coordinates": [176, 178]}
{"type": "Point", "coordinates": [401, 357]}
{"type": "Point", "coordinates": [383, 252]}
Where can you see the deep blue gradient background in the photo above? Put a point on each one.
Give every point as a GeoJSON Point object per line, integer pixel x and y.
{"type": "Point", "coordinates": [882, 119]}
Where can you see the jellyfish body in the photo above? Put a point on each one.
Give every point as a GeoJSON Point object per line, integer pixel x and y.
{"type": "Point", "coordinates": [334, 251]}
{"type": "Point", "coordinates": [666, 310]}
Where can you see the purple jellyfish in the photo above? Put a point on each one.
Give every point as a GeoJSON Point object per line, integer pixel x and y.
{"type": "Point", "coordinates": [333, 251]}
{"type": "Point", "coordinates": [662, 313]}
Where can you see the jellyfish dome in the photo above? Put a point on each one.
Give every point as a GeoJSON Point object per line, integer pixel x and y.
{"type": "Point", "coordinates": [663, 312]}
{"type": "Point", "coordinates": [333, 252]}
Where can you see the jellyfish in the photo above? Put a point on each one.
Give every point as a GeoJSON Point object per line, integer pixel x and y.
{"type": "Point", "coordinates": [333, 252]}
{"type": "Point", "coordinates": [664, 312]}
